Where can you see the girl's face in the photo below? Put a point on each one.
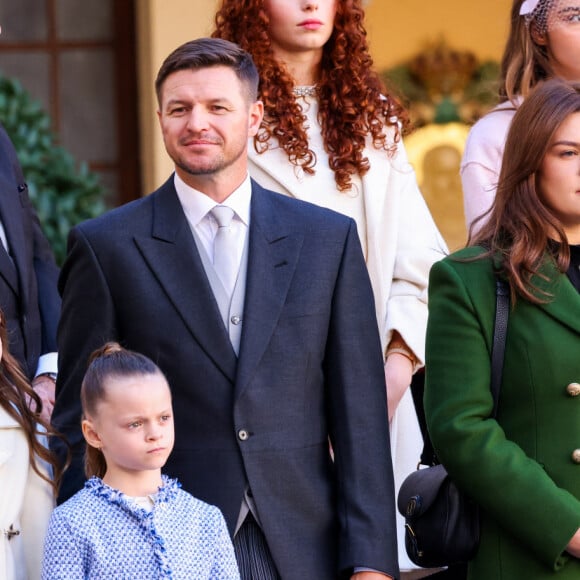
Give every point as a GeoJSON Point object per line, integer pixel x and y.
{"type": "Point", "coordinates": [133, 427]}
{"type": "Point", "coordinates": [559, 177]}
{"type": "Point", "coordinates": [300, 26]}
{"type": "Point", "coordinates": [562, 39]}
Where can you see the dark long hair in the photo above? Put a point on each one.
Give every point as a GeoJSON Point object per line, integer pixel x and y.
{"type": "Point", "coordinates": [22, 403]}
{"type": "Point", "coordinates": [524, 62]}
{"type": "Point", "coordinates": [109, 361]}
{"type": "Point", "coordinates": [519, 227]}
{"type": "Point", "coordinates": [353, 101]}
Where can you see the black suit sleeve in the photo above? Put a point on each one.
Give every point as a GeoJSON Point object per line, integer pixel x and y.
{"type": "Point", "coordinates": [46, 272]}
{"type": "Point", "coordinates": [356, 401]}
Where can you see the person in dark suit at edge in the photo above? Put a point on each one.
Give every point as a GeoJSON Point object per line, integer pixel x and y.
{"type": "Point", "coordinates": [28, 280]}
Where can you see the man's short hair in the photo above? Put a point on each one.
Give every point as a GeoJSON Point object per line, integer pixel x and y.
{"type": "Point", "coordinates": [208, 52]}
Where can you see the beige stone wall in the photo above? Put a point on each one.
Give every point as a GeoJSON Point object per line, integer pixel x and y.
{"type": "Point", "coordinates": [397, 30]}
{"type": "Point", "coordinates": [162, 26]}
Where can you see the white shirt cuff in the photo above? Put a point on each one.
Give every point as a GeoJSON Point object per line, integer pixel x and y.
{"type": "Point", "coordinates": [47, 363]}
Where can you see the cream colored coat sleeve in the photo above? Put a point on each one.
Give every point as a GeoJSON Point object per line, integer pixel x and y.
{"type": "Point", "coordinates": [26, 503]}
{"type": "Point", "coordinates": [404, 243]}
{"type": "Point", "coordinates": [36, 510]}
{"type": "Point", "coordinates": [482, 159]}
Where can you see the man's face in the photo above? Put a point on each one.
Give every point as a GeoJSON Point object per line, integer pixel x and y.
{"type": "Point", "coordinates": [206, 119]}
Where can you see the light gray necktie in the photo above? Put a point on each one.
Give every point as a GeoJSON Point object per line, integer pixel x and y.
{"type": "Point", "coordinates": [224, 248]}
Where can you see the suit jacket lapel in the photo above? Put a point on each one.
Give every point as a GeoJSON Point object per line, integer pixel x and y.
{"type": "Point", "coordinates": [273, 255]}
{"type": "Point", "coordinates": [10, 210]}
{"type": "Point", "coordinates": [172, 256]}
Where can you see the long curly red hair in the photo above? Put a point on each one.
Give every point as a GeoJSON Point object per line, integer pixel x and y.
{"type": "Point", "coordinates": [353, 101]}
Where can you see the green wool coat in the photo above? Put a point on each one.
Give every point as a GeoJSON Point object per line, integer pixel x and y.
{"type": "Point", "coordinates": [522, 468]}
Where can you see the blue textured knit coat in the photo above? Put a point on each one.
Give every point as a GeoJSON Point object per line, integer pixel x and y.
{"type": "Point", "coordinates": [99, 533]}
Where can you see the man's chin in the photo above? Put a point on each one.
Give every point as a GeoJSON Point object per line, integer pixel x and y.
{"type": "Point", "coordinates": [200, 168]}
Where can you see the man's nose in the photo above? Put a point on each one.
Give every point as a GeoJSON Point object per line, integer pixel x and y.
{"type": "Point", "coordinates": [198, 120]}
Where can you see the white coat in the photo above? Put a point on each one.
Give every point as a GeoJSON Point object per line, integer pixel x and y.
{"type": "Point", "coordinates": [26, 502]}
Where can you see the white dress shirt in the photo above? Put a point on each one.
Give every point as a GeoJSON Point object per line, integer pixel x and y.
{"type": "Point", "coordinates": [196, 206]}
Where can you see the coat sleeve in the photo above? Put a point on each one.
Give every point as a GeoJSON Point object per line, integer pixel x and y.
{"type": "Point", "coordinates": [507, 483]}
{"type": "Point", "coordinates": [63, 556]}
{"type": "Point", "coordinates": [225, 566]}
{"type": "Point", "coordinates": [87, 322]}
{"type": "Point", "coordinates": [37, 506]}
{"type": "Point", "coordinates": [357, 412]}
{"type": "Point", "coordinates": [46, 272]}
{"type": "Point", "coordinates": [481, 162]}
{"type": "Point", "coordinates": [415, 244]}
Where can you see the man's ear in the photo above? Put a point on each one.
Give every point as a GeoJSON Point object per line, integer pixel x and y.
{"type": "Point", "coordinates": [255, 117]}
{"type": "Point", "coordinates": [90, 433]}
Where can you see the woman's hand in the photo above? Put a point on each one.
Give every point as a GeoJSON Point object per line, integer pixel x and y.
{"type": "Point", "coordinates": [573, 546]}
{"type": "Point", "coordinates": [44, 387]}
{"type": "Point", "coordinates": [398, 375]}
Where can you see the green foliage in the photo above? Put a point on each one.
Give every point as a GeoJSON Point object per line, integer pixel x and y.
{"type": "Point", "coordinates": [63, 192]}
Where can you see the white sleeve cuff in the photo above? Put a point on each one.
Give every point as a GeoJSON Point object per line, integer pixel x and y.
{"type": "Point", "coordinates": [47, 363]}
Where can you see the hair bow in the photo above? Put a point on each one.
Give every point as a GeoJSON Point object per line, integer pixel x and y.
{"type": "Point", "coordinates": [528, 7]}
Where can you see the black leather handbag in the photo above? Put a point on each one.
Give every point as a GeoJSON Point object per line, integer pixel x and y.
{"type": "Point", "coordinates": [441, 522]}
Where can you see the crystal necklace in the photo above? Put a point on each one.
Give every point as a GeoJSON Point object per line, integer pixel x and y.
{"type": "Point", "coordinates": [305, 91]}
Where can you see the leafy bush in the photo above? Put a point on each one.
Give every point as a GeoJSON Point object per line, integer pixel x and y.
{"type": "Point", "coordinates": [63, 192]}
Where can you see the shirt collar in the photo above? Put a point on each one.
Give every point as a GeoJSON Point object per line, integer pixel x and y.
{"type": "Point", "coordinates": [196, 204]}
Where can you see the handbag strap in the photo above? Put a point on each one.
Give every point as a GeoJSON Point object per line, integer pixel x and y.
{"type": "Point", "coordinates": [502, 310]}
{"type": "Point", "coordinates": [502, 306]}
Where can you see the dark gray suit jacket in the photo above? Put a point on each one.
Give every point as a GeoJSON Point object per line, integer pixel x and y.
{"type": "Point", "coordinates": [309, 371]}
{"type": "Point", "coordinates": [28, 284]}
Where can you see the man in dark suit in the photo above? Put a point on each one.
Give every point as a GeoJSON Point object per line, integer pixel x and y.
{"type": "Point", "coordinates": [28, 279]}
{"type": "Point", "coordinates": [267, 368]}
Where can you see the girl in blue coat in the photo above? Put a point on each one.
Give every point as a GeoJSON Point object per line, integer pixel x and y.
{"type": "Point", "coordinates": [523, 467]}
{"type": "Point", "coordinates": [130, 521]}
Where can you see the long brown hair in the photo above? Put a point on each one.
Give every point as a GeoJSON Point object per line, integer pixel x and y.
{"type": "Point", "coordinates": [109, 361]}
{"type": "Point", "coordinates": [353, 102]}
{"type": "Point", "coordinates": [519, 227]}
{"type": "Point", "coordinates": [22, 403]}
{"type": "Point", "coordinates": [524, 62]}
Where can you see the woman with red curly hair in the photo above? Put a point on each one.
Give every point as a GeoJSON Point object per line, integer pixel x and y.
{"type": "Point", "coordinates": [331, 135]}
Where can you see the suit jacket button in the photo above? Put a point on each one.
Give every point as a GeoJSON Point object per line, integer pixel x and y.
{"type": "Point", "coordinates": [576, 456]}
{"type": "Point", "coordinates": [243, 435]}
{"type": "Point", "coordinates": [573, 389]}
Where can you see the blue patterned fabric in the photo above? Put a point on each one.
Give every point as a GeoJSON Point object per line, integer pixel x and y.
{"type": "Point", "coordinates": [100, 533]}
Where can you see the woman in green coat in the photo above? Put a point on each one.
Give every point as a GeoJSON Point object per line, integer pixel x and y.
{"type": "Point", "coordinates": [523, 468]}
